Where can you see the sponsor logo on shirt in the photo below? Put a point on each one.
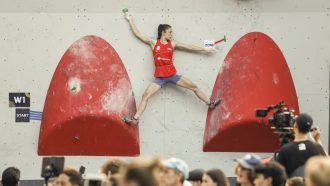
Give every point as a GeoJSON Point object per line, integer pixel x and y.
{"type": "Point", "coordinates": [302, 146]}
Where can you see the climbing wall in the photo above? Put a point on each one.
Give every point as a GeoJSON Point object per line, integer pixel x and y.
{"type": "Point", "coordinates": [35, 36]}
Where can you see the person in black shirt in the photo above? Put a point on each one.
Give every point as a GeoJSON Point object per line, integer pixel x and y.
{"type": "Point", "coordinates": [294, 155]}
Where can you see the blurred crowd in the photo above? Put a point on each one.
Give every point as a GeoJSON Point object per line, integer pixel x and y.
{"type": "Point", "coordinates": [302, 162]}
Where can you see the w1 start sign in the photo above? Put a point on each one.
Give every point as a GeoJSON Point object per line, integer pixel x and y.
{"type": "Point", "coordinates": [20, 99]}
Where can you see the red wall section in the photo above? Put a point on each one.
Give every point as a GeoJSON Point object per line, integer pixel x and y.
{"type": "Point", "coordinates": [89, 92]}
{"type": "Point", "coordinates": [254, 75]}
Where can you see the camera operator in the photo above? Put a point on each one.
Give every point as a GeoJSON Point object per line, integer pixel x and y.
{"type": "Point", "coordinates": [294, 155]}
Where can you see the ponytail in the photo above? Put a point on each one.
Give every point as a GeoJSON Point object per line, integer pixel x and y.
{"type": "Point", "coordinates": [161, 28]}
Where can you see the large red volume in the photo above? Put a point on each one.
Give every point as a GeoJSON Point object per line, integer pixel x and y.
{"type": "Point", "coordinates": [254, 75]}
{"type": "Point", "coordinates": [89, 92]}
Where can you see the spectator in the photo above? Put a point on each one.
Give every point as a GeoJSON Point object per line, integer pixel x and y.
{"type": "Point", "coordinates": [316, 137]}
{"type": "Point", "coordinates": [294, 155]}
{"type": "Point", "coordinates": [112, 167]}
{"type": "Point", "coordinates": [318, 171]}
{"type": "Point", "coordinates": [142, 173]}
{"type": "Point", "coordinates": [176, 171]}
{"type": "Point", "coordinates": [115, 180]}
{"type": "Point", "coordinates": [196, 177]}
{"type": "Point", "coordinates": [11, 176]}
{"type": "Point", "coordinates": [295, 181]}
{"type": "Point", "coordinates": [215, 177]}
{"type": "Point", "coordinates": [244, 169]}
{"type": "Point", "coordinates": [69, 177]}
{"type": "Point", "coordinates": [269, 174]}
{"type": "Point", "coordinates": [187, 183]}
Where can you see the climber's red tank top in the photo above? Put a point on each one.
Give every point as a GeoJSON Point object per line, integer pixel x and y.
{"type": "Point", "coordinates": [163, 54]}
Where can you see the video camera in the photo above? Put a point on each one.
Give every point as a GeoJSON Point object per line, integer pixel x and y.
{"type": "Point", "coordinates": [282, 120]}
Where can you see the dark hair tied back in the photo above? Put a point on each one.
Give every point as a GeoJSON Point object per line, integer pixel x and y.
{"type": "Point", "coordinates": [161, 28]}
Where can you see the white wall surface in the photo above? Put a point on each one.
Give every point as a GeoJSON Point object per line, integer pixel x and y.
{"type": "Point", "coordinates": [35, 34]}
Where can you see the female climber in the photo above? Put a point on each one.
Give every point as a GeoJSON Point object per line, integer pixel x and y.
{"type": "Point", "coordinates": [165, 72]}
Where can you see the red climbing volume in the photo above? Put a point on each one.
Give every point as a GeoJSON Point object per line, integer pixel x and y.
{"type": "Point", "coordinates": [88, 93]}
{"type": "Point", "coordinates": [254, 75]}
